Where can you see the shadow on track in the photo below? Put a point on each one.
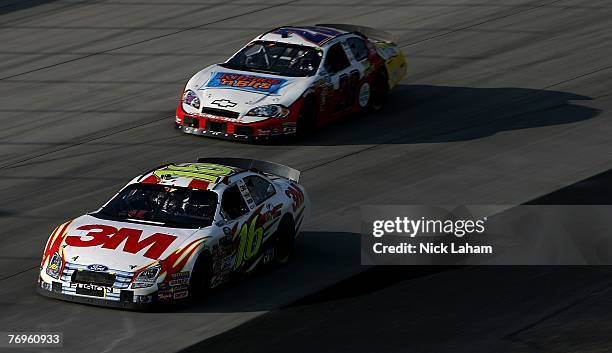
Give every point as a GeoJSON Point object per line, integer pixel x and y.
{"type": "Point", "coordinates": [318, 254]}
{"type": "Point", "coordinates": [16, 5]}
{"type": "Point", "coordinates": [429, 114]}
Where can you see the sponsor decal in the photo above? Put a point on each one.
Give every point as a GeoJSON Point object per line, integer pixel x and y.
{"type": "Point", "coordinates": [179, 282]}
{"type": "Point", "coordinates": [164, 295]}
{"type": "Point", "coordinates": [97, 268]}
{"type": "Point", "coordinates": [251, 83]}
{"type": "Point", "coordinates": [166, 292]}
{"type": "Point", "coordinates": [273, 212]}
{"type": "Point", "coordinates": [289, 128]}
{"type": "Point", "coordinates": [246, 194]}
{"type": "Point", "coordinates": [92, 287]}
{"type": "Point", "coordinates": [214, 117]}
{"type": "Point", "coordinates": [109, 237]}
{"type": "Point", "coordinates": [180, 295]}
{"type": "Point", "coordinates": [178, 275]}
{"type": "Point", "coordinates": [179, 278]}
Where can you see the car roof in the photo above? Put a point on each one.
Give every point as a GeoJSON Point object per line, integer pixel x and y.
{"type": "Point", "coordinates": [203, 176]}
{"type": "Point", "coordinates": [314, 36]}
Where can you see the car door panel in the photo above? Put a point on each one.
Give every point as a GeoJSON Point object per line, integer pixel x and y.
{"type": "Point", "coordinates": [345, 82]}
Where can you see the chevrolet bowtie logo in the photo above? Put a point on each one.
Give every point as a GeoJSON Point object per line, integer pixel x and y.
{"type": "Point", "coordinates": [224, 103]}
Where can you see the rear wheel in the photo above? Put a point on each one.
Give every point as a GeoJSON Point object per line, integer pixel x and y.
{"type": "Point", "coordinates": [285, 241]}
{"type": "Point", "coordinates": [380, 88]}
{"type": "Point", "coordinates": [199, 284]}
{"type": "Point", "coordinates": [307, 118]}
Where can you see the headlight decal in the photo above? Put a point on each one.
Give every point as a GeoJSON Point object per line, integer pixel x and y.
{"type": "Point", "coordinates": [270, 111]}
{"type": "Point", "coordinates": [147, 277]}
{"type": "Point", "coordinates": [191, 98]}
{"type": "Point", "coordinates": [54, 267]}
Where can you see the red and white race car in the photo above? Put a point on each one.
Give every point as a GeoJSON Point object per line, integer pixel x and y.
{"type": "Point", "coordinates": [175, 232]}
{"type": "Point", "coordinates": [290, 80]}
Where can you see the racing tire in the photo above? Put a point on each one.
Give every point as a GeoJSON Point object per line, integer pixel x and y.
{"type": "Point", "coordinates": [307, 118]}
{"type": "Point", "coordinates": [199, 283]}
{"type": "Point", "coordinates": [285, 242]}
{"type": "Point", "coordinates": [380, 89]}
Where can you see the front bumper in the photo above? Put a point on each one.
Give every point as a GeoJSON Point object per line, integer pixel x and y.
{"type": "Point", "coordinates": [95, 301]}
{"type": "Point", "coordinates": [118, 298]}
{"type": "Point", "coordinates": [232, 129]}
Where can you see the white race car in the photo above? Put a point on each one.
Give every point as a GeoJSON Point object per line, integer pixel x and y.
{"type": "Point", "coordinates": [290, 81]}
{"type": "Point", "coordinates": [175, 232]}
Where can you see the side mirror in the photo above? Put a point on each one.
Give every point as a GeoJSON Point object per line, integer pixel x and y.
{"type": "Point", "coordinates": [328, 69]}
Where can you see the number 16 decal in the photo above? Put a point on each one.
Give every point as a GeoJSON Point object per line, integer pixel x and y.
{"type": "Point", "coordinates": [250, 237]}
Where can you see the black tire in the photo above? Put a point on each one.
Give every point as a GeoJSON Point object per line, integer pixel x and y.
{"type": "Point", "coordinates": [380, 88]}
{"type": "Point", "coordinates": [199, 283]}
{"type": "Point", "coordinates": [285, 242]}
{"type": "Point", "coordinates": [307, 118]}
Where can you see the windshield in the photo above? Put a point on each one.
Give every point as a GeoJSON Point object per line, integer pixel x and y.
{"type": "Point", "coordinates": [276, 58]}
{"type": "Point", "coordinates": [165, 205]}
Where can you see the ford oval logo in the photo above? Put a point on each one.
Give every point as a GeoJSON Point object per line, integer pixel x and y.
{"type": "Point", "coordinates": [97, 268]}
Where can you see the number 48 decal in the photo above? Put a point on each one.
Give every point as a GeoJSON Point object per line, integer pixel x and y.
{"type": "Point", "coordinates": [347, 90]}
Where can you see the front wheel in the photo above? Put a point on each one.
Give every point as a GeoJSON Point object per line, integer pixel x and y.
{"type": "Point", "coordinates": [307, 118]}
{"type": "Point", "coordinates": [199, 283]}
{"type": "Point", "coordinates": [285, 242]}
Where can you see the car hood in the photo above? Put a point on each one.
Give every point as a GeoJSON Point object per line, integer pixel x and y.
{"type": "Point", "coordinates": [123, 246]}
{"type": "Point", "coordinates": [240, 91]}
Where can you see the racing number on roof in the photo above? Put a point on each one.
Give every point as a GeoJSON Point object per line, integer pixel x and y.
{"type": "Point", "coordinates": [212, 173]}
{"type": "Point", "coordinates": [316, 35]}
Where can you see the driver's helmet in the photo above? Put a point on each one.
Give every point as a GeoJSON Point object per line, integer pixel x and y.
{"type": "Point", "coordinates": [200, 205]}
{"type": "Point", "coordinates": [172, 205]}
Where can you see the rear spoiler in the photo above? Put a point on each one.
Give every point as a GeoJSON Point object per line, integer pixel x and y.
{"type": "Point", "coordinates": [257, 165]}
{"type": "Point", "coordinates": [367, 31]}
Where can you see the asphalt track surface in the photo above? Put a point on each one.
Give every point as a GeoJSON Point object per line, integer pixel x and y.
{"type": "Point", "coordinates": [504, 101]}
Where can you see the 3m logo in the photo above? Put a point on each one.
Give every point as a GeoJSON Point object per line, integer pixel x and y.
{"type": "Point", "coordinates": [110, 238]}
